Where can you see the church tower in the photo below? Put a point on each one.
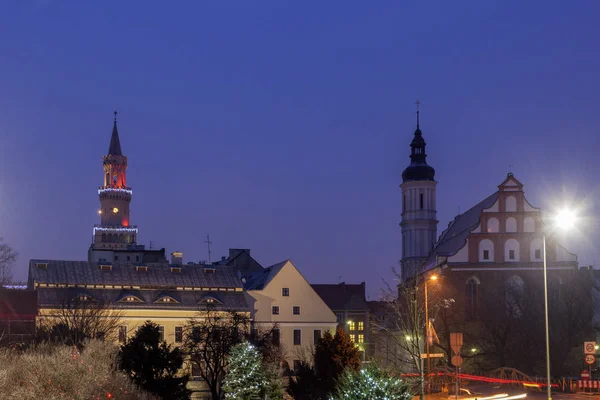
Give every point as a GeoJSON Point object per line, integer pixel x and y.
{"type": "Point", "coordinates": [115, 231]}
{"type": "Point", "coordinates": [419, 224]}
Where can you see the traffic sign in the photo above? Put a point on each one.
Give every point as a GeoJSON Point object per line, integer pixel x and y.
{"type": "Point", "coordinates": [457, 361]}
{"type": "Point", "coordinates": [589, 347]}
{"type": "Point", "coordinates": [590, 359]}
{"type": "Point", "coordinates": [585, 374]}
{"type": "Point", "coordinates": [433, 355]}
{"type": "Point", "coordinates": [456, 342]}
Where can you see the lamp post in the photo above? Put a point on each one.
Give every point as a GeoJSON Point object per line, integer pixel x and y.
{"type": "Point", "coordinates": [565, 220]}
{"type": "Point", "coordinates": [433, 278]}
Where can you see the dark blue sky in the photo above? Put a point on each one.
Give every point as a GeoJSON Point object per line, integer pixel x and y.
{"type": "Point", "coordinates": [284, 126]}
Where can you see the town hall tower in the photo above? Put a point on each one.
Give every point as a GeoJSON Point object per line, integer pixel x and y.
{"type": "Point", "coordinates": [115, 231]}
{"type": "Point", "coordinates": [419, 223]}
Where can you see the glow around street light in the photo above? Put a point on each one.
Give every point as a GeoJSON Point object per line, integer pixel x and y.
{"type": "Point", "coordinates": [565, 219]}
{"type": "Point", "coordinates": [433, 277]}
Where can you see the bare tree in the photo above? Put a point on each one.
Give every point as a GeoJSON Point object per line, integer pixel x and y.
{"type": "Point", "coordinates": [7, 259]}
{"type": "Point", "coordinates": [208, 340]}
{"type": "Point", "coordinates": [404, 326]}
{"type": "Point", "coordinates": [79, 319]}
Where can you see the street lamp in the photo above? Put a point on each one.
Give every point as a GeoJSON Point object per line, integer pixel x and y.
{"type": "Point", "coordinates": [433, 278]}
{"type": "Point", "coordinates": [565, 220]}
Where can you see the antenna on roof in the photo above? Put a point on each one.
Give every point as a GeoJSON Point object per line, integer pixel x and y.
{"type": "Point", "coordinates": [339, 279]}
{"type": "Point", "coordinates": [208, 243]}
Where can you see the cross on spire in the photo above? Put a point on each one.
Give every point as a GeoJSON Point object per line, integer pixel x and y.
{"type": "Point", "coordinates": [418, 102]}
{"type": "Point", "coordinates": [115, 116]}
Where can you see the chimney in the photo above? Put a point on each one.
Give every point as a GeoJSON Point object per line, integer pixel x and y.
{"type": "Point", "coordinates": [177, 258]}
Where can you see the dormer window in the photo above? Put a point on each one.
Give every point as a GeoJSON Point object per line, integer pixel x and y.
{"type": "Point", "coordinates": [209, 270]}
{"type": "Point", "coordinates": [141, 268]}
{"type": "Point", "coordinates": [105, 267]}
{"type": "Point", "coordinates": [166, 299]}
{"type": "Point", "coordinates": [176, 270]}
{"type": "Point", "coordinates": [42, 265]}
{"type": "Point", "coordinates": [131, 299]}
{"type": "Point", "coordinates": [210, 300]}
{"type": "Point", "coordinates": [84, 297]}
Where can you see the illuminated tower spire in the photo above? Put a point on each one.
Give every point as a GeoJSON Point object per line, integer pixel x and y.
{"type": "Point", "coordinates": [114, 231]}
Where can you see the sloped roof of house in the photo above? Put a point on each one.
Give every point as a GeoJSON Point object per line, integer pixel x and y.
{"type": "Point", "coordinates": [156, 275]}
{"type": "Point", "coordinates": [184, 300]}
{"type": "Point", "coordinates": [343, 296]}
{"type": "Point", "coordinates": [260, 279]}
{"type": "Point", "coordinates": [455, 236]}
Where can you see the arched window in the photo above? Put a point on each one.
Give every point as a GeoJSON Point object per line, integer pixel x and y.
{"type": "Point", "coordinates": [486, 251]}
{"type": "Point", "coordinates": [514, 291]}
{"type": "Point", "coordinates": [529, 224]}
{"type": "Point", "coordinates": [511, 204]}
{"type": "Point", "coordinates": [104, 237]}
{"type": "Point", "coordinates": [471, 297]}
{"type": "Point", "coordinates": [535, 250]}
{"type": "Point", "coordinates": [493, 225]}
{"type": "Point", "coordinates": [511, 251]}
{"type": "Point", "coordinates": [511, 224]}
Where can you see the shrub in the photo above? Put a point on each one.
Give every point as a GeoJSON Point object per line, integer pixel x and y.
{"type": "Point", "coordinates": [62, 372]}
{"type": "Point", "coordinates": [153, 364]}
{"type": "Point", "coordinates": [371, 383]}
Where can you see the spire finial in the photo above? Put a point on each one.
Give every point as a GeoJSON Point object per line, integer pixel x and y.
{"type": "Point", "coordinates": [418, 102]}
{"type": "Point", "coordinates": [115, 116]}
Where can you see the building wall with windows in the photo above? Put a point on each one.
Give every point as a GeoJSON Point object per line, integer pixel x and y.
{"type": "Point", "coordinates": [348, 302]}
{"type": "Point", "coordinates": [279, 295]}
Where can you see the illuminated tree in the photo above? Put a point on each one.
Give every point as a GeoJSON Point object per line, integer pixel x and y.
{"type": "Point", "coordinates": [245, 377]}
{"type": "Point", "coordinates": [371, 383]}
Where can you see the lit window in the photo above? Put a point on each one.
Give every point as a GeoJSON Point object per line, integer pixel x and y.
{"type": "Point", "coordinates": [296, 310]}
{"type": "Point", "coordinates": [351, 326]}
{"type": "Point", "coordinates": [361, 338]}
{"type": "Point", "coordinates": [361, 326]}
{"type": "Point", "coordinates": [275, 310]}
{"type": "Point", "coordinates": [353, 338]}
{"type": "Point", "coordinates": [210, 300]}
{"type": "Point", "coordinates": [285, 291]}
{"type": "Point", "coordinates": [115, 210]}
{"type": "Point", "coordinates": [161, 332]}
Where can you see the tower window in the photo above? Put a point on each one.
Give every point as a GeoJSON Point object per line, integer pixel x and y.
{"type": "Point", "coordinates": [421, 200]}
{"type": "Point", "coordinates": [538, 254]}
{"type": "Point", "coordinates": [511, 254]}
{"type": "Point", "coordinates": [486, 254]}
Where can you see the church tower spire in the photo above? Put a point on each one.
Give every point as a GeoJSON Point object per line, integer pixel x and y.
{"type": "Point", "coordinates": [115, 231]}
{"type": "Point", "coordinates": [419, 224]}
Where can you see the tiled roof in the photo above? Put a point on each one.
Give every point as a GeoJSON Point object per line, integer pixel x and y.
{"type": "Point", "coordinates": [185, 299]}
{"type": "Point", "coordinates": [260, 279]}
{"type": "Point", "coordinates": [342, 296]}
{"type": "Point", "coordinates": [455, 236]}
{"type": "Point", "coordinates": [156, 276]}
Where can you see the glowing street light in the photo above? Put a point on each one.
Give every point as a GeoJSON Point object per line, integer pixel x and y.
{"type": "Point", "coordinates": [433, 278]}
{"type": "Point", "coordinates": [565, 219]}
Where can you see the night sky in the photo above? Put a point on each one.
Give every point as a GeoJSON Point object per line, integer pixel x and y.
{"type": "Point", "coordinates": [284, 126]}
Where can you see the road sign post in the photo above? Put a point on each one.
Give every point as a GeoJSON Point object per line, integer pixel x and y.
{"type": "Point", "coordinates": [589, 347]}
{"type": "Point", "coordinates": [456, 342]}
